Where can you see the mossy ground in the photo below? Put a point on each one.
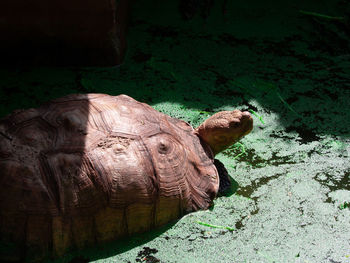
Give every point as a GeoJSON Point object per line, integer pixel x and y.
{"type": "Point", "coordinates": [291, 69]}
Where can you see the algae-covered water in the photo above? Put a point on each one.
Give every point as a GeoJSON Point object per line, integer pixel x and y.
{"type": "Point", "coordinates": [288, 62]}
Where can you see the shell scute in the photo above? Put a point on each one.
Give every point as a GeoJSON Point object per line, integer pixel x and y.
{"type": "Point", "coordinates": [34, 132]}
{"type": "Point", "coordinates": [134, 170]}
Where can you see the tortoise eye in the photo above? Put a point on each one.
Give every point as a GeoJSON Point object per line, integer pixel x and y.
{"type": "Point", "coordinates": [235, 124]}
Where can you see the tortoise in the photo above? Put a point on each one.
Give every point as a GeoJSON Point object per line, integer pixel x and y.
{"type": "Point", "coordinates": [91, 168]}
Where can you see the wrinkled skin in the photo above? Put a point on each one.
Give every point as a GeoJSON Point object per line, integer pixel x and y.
{"type": "Point", "coordinates": [224, 129]}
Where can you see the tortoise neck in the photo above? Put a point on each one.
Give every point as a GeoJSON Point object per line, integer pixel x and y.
{"type": "Point", "coordinates": [206, 146]}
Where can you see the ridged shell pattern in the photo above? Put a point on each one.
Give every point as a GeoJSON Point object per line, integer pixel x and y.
{"type": "Point", "coordinates": [91, 168]}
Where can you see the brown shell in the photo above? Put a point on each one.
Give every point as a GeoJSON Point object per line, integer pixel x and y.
{"type": "Point", "coordinates": [86, 169]}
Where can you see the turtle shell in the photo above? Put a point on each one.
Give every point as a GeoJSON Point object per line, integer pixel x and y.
{"type": "Point", "coordinates": [91, 168]}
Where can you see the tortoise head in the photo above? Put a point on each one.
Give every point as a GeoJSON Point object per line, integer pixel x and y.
{"type": "Point", "coordinates": [224, 129]}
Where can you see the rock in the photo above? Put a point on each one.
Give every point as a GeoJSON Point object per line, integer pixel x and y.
{"type": "Point", "coordinates": [62, 32]}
